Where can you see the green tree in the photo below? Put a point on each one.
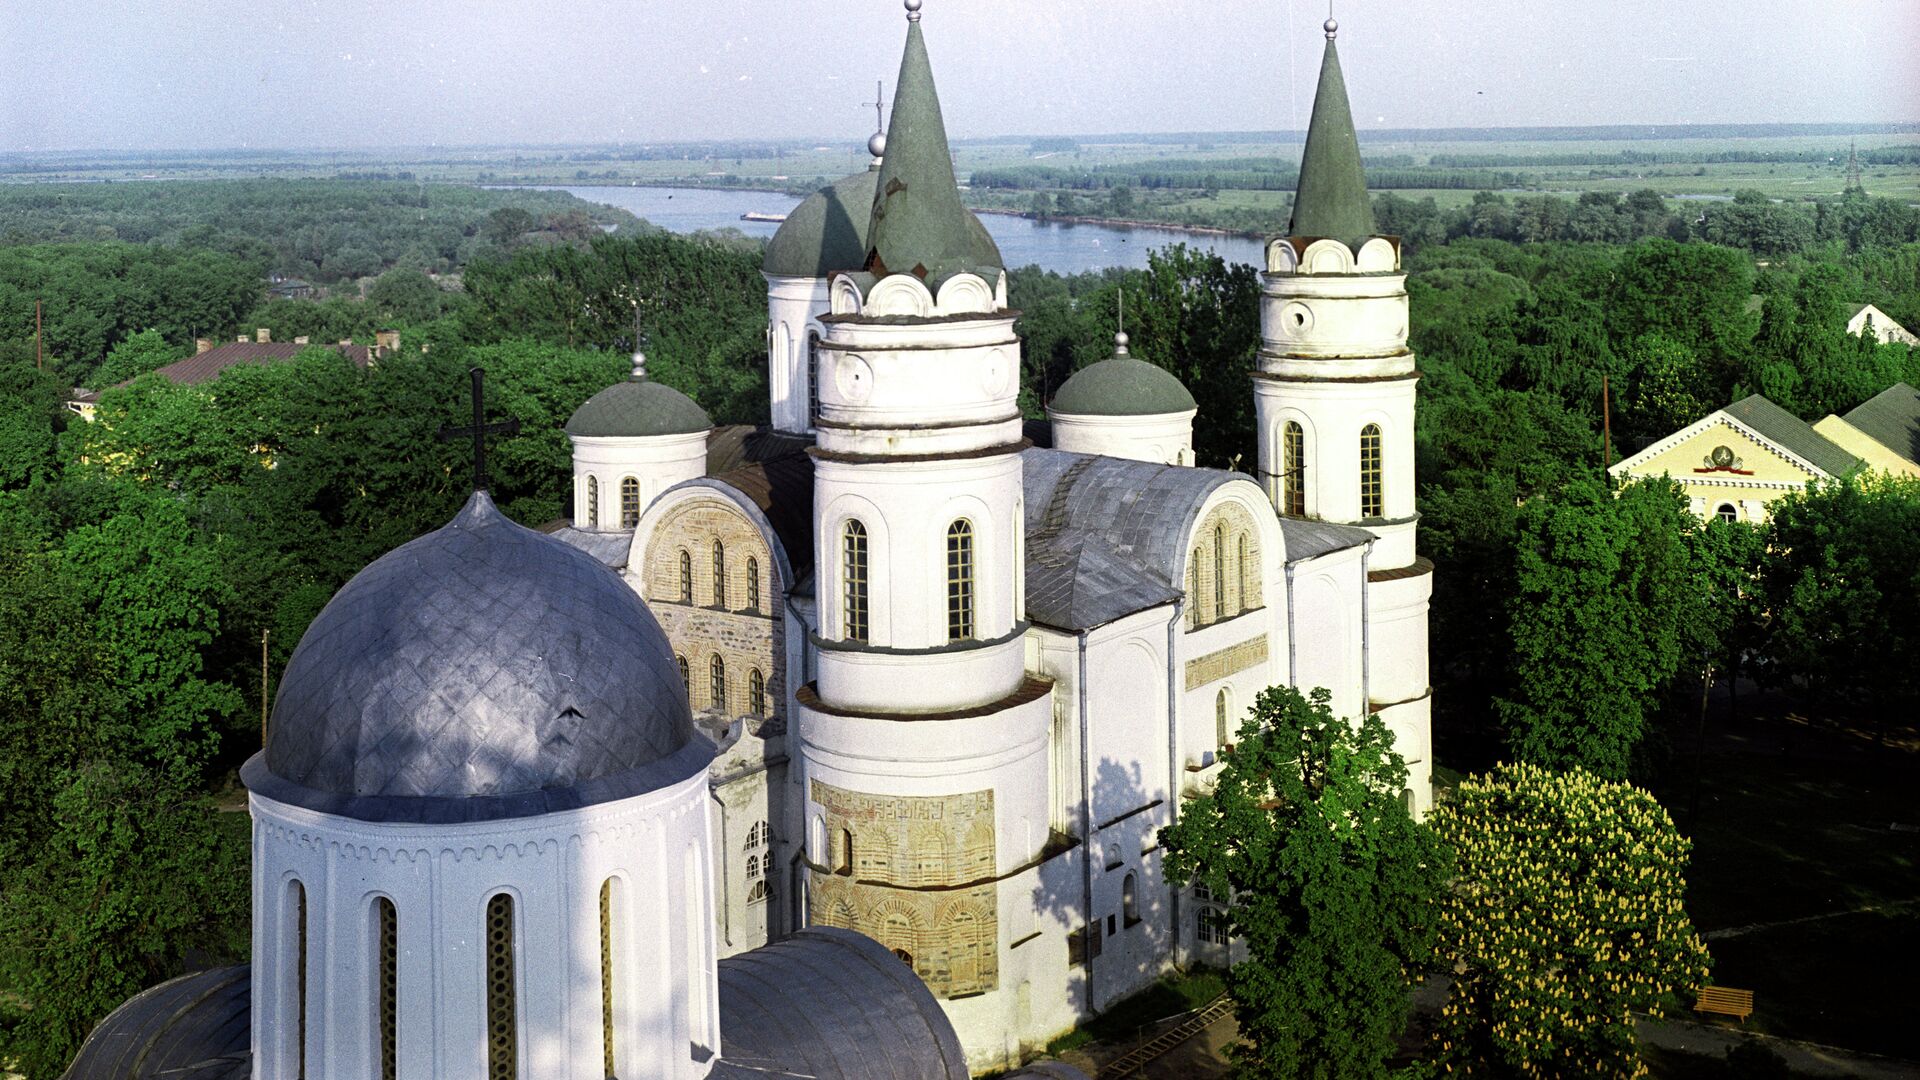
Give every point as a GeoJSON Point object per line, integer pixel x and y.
{"type": "Point", "coordinates": [1563, 917]}
{"type": "Point", "coordinates": [1332, 884]}
{"type": "Point", "coordinates": [134, 356]}
{"type": "Point", "coordinates": [1199, 316]}
{"type": "Point", "coordinates": [405, 296]}
{"type": "Point", "coordinates": [32, 414]}
{"type": "Point", "coordinates": [1603, 611]}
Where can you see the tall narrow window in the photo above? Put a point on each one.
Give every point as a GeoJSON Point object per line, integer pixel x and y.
{"type": "Point", "coordinates": [1193, 590]}
{"type": "Point", "coordinates": [1250, 588]}
{"type": "Point", "coordinates": [686, 678]}
{"type": "Point", "coordinates": [629, 503]}
{"type": "Point", "coordinates": [300, 979]}
{"type": "Point", "coordinates": [1372, 501]}
{"type": "Point", "coordinates": [756, 693]}
{"type": "Point", "coordinates": [717, 683]}
{"type": "Point", "coordinates": [1245, 601]}
{"type": "Point", "coordinates": [753, 585]}
{"type": "Point", "coordinates": [1219, 572]}
{"type": "Point", "coordinates": [853, 572]}
{"type": "Point", "coordinates": [503, 1034]}
{"type": "Point", "coordinates": [846, 851]}
{"type": "Point", "coordinates": [1293, 470]}
{"type": "Point", "coordinates": [686, 577]}
{"type": "Point", "coordinates": [593, 502]}
{"type": "Point", "coordinates": [1130, 899]}
{"type": "Point", "coordinates": [960, 580]}
{"type": "Point", "coordinates": [606, 975]}
{"type": "Point", "coordinates": [1221, 736]}
{"type": "Point", "coordinates": [719, 575]}
{"type": "Point", "coordinates": [387, 988]}
{"type": "Point", "coordinates": [756, 881]}
{"type": "Point", "coordinates": [813, 378]}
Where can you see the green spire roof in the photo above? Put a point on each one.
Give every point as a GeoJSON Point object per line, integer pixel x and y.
{"type": "Point", "coordinates": [920, 226]}
{"type": "Point", "coordinates": [1122, 385]}
{"type": "Point", "coordinates": [1332, 198]}
{"type": "Point", "coordinates": [638, 408]}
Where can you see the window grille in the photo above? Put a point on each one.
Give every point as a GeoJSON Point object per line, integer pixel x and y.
{"type": "Point", "coordinates": [300, 980]}
{"type": "Point", "coordinates": [756, 882]}
{"type": "Point", "coordinates": [1293, 470]}
{"type": "Point", "coordinates": [753, 585]}
{"type": "Point", "coordinates": [719, 575]}
{"type": "Point", "coordinates": [1219, 572]}
{"type": "Point", "coordinates": [593, 502]}
{"type": "Point", "coordinates": [1372, 501]}
{"type": "Point", "coordinates": [1727, 512]}
{"type": "Point", "coordinates": [629, 503]}
{"type": "Point", "coordinates": [503, 1036]}
{"type": "Point", "coordinates": [1221, 735]}
{"type": "Point", "coordinates": [756, 693]}
{"type": "Point", "coordinates": [606, 975]}
{"type": "Point", "coordinates": [388, 988]}
{"type": "Point", "coordinates": [960, 580]}
{"type": "Point", "coordinates": [686, 678]}
{"type": "Point", "coordinates": [717, 684]}
{"type": "Point", "coordinates": [686, 577]}
{"type": "Point", "coordinates": [853, 569]}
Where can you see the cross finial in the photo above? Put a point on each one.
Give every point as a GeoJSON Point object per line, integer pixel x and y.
{"type": "Point", "coordinates": [480, 430]}
{"type": "Point", "coordinates": [1120, 338]}
{"type": "Point", "coordinates": [878, 104]}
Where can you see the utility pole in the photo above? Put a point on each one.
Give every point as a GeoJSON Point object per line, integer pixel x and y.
{"type": "Point", "coordinates": [1606, 424]}
{"type": "Point", "coordinates": [263, 688]}
{"type": "Point", "coordinates": [39, 363]}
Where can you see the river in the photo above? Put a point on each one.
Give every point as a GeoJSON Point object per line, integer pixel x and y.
{"type": "Point", "coordinates": [1066, 249]}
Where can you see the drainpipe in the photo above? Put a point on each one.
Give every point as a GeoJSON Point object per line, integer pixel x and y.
{"type": "Point", "coordinates": [1293, 656]}
{"type": "Point", "coordinates": [1366, 632]}
{"type": "Point", "coordinates": [1173, 766]}
{"type": "Point", "coordinates": [1086, 826]}
{"type": "Point", "coordinates": [726, 852]}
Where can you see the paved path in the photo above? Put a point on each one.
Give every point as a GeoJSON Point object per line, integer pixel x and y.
{"type": "Point", "coordinates": [1754, 928]}
{"type": "Point", "coordinates": [1804, 1058]}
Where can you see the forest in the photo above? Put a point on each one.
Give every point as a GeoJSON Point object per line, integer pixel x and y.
{"type": "Point", "coordinates": [149, 558]}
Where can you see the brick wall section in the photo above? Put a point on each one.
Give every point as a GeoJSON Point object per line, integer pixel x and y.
{"type": "Point", "coordinates": [745, 639]}
{"type": "Point", "coordinates": [1243, 589]}
{"type": "Point", "coordinates": [1221, 663]}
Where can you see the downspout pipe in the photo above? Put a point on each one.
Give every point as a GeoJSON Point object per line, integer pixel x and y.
{"type": "Point", "coordinates": [726, 866]}
{"type": "Point", "coordinates": [1293, 638]}
{"type": "Point", "coordinates": [1086, 826]}
{"type": "Point", "coordinates": [1173, 766]}
{"type": "Point", "coordinates": [1366, 633]}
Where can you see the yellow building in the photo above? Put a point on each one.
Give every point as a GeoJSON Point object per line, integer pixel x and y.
{"type": "Point", "coordinates": [1735, 461]}
{"type": "Point", "coordinates": [1884, 432]}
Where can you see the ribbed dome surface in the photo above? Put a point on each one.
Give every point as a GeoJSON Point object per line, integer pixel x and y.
{"type": "Point", "coordinates": [481, 671]}
{"type": "Point", "coordinates": [1122, 386]}
{"type": "Point", "coordinates": [638, 408]}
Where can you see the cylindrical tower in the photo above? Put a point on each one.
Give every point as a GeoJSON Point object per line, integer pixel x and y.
{"type": "Point", "coordinates": [1334, 401]}
{"type": "Point", "coordinates": [632, 441]}
{"type": "Point", "coordinates": [481, 841]}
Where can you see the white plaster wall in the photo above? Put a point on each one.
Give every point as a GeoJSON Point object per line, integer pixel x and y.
{"type": "Point", "coordinates": [1397, 638]}
{"type": "Point", "coordinates": [440, 878]}
{"type": "Point", "coordinates": [1412, 726]}
{"type": "Point", "coordinates": [1351, 317]}
{"type": "Point", "coordinates": [919, 387]}
{"type": "Point", "coordinates": [794, 306]}
{"type": "Point", "coordinates": [658, 463]}
{"type": "Point", "coordinates": [1331, 416]}
{"type": "Point", "coordinates": [1327, 629]}
{"type": "Point", "coordinates": [1164, 439]}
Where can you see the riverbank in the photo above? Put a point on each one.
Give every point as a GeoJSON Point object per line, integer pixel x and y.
{"type": "Point", "coordinates": [1118, 223]}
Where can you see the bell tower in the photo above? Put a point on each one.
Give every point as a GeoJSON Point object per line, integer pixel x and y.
{"type": "Point", "coordinates": [1334, 397]}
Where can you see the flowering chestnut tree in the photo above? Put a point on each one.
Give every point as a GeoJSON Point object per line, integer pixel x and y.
{"type": "Point", "coordinates": [1564, 917]}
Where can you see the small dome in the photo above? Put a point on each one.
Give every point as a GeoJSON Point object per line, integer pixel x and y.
{"type": "Point", "coordinates": [636, 409]}
{"type": "Point", "coordinates": [481, 671]}
{"type": "Point", "coordinates": [827, 233]}
{"type": "Point", "coordinates": [1122, 385]}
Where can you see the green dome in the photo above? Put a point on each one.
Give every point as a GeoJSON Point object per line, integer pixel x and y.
{"type": "Point", "coordinates": [827, 232]}
{"type": "Point", "coordinates": [1122, 385]}
{"type": "Point", "coordinates": [637, 409]}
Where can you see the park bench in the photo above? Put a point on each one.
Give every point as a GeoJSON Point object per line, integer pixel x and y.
{"type": "Point", "coordinates": [1725, 1001]}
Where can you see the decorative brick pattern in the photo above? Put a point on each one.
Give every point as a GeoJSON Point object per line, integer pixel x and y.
{"type": "Point", "coordinates": [1223, 568]}
{"type": "Point", "coordinates": [746, 637]}
{"type": "Point", "coordinates": [1221, 663]}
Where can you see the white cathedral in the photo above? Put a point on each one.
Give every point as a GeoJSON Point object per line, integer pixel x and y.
{"type": "Point", "coordinates": [902, 664]}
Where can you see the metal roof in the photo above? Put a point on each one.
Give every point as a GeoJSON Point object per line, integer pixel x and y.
{"type": "Point", "coordinates": [833, 1005]}
{"type": "Point", "coordinates": [1792, 433]}
{"type": "Point", "coordinates": [1331, 199]}
{"type": "Point", "coordinates": [1122, 385]}
{"type": "Point", "coordinates": [1307, 539]}
{"type": "Point", "coordinates": [827, 232]}
{"type": "Point", "coordinates": [207, 366]}
{"type": "Point", "coordinates": [481, 671]}
{"type": "Point", "coordinates": [1892, 419]}
{"type": "Point", "coordinates": [195, 1027]}
{"type": "Point", "coordinates": [638, 408]}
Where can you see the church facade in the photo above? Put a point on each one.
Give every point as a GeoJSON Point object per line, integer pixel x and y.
{"type": "Point", "coordinates": [963, 667]}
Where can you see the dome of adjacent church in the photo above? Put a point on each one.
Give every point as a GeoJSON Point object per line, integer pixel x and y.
{"type": "Point", "coordinates": [827, 233]}
{"type": "Point", "coordinates": [1122, 385]}
{"type": "Point", "coordinates": [638, 408]}
{"type": "Point", "coordinates": [481, 671]}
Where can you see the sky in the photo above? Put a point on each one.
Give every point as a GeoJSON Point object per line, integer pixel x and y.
{"type": "Point", "coordinates": [283, 74]}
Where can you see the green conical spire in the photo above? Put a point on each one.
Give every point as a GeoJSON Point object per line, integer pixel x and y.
{"type": "Point", "coordinates": [1332, 199]}
{"type": "Point", "coordinates": [920, 226]}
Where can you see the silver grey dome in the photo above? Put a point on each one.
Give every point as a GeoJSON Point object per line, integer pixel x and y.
{"type": "Point", "coordinates": [481, 671]}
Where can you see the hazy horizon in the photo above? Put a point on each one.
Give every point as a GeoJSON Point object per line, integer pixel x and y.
{"type": "Point", "coordinates": [354, 75]}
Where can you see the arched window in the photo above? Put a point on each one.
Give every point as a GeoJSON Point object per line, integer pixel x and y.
{"type": "Point", "coordinates": [606, 975]}
{"type": "Point", "coordinates": [686, 577]}
{"type": "Point", "coordinates": [686, 677]}
{"type": "Point", "coordinates": [1727, 512]}
{"type": "Point", "coordinates": [1129, 899]}
{"type": "Point", "coordinates": [960, 580]}
{"type": "Point", "coordinates": [1250, 597]}
{"type": "Point", "coordinates": [387, 986]}
{"type": "Point", "coordinates": [1219, 572]}
{"type": "Point", "coordinates": [297, 893]}
{"type": "Point", "coordinates": [756, 881]}
{"type": "Point", "coordinates": [756, 693]}
{"type": "Point", "coordinates": [759, 836]}
{"type": "Point", "coordinates": [813, 377]}
{"type": "Point", "coordinates": [1372, 501]}
{"type": "Point", "coordinates": [853, 573]}
{"type": "Point", "coordinates": [717, 683]}
{"type": "Point", "coordinates": [1241, 601]}
{"type": "Point", "coordinates": [1407, 800]}
{"type": "Point", "coordinates": [753, 585]}
{"type": "Point", "coordinates": [1193, 590]}
{"type": "Point", "coordinates": [629, 503]}
{"type": "Point", "coordinates": [1222, 735]}
{"type": "Point", "coordinates": [1293, 470]}
{"type": "Point", "coordinates": [719, 575]}
{"type": "Point", "coordinates": [593, 502]}
{"type": "Point", "coordinates": [846, 851]}
{"type": "Point", "coordinates": [503, 1028]}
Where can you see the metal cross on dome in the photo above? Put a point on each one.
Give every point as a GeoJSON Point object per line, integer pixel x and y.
{"type": "Point", "coordinates": [479, 430]}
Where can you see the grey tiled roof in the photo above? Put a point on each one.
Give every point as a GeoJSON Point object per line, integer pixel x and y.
{"type": "Point", "coordinates": [834, 1005]}
{"type": "Point", "coordinates": [1309, 539]}
{"type": "Point", "coordinates": [638, 408]}
{"type": "Point", "coordinates": [481, 671]}
{"type": "Point", "coordinates": [1793, 433]}
{"type": "Point", "coordinates": [608, 546]}
{"type": "Point", "coordinates": [1892, 419]}
{"type": "Point", "coordinates": [195, 1027]}
{"type": "Point", "coordinates": [1106, 536]}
